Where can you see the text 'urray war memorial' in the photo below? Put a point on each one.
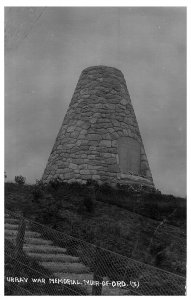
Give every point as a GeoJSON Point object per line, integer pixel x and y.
{"type": "Point", "coordinates": [99, 138]}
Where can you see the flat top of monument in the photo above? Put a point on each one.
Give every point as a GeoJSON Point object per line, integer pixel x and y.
{"type": "Point", "coordinates": [102, 68]}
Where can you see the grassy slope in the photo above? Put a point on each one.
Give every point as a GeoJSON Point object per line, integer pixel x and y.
{"type": "Point", "coordinates": [112, 226]}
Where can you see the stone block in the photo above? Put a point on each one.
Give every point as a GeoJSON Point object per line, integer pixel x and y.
{"type": "Point", "coordinates": [85, 177]}
{"type": "Point", "coordinates": [114, 143]}
{"type": "Point", "coordinates": [106, 136]}
{"type": "Point", "coordinates": [85, 172]}
{"type": "Point", "coordinates": [84, 91]}
{"type": "Point", "coordinates": [78, 161]}
{"type": "Point", "coordinates": [93, 167]}
{"type": "Point", "coordinates": [95, 177]}
{"type": "Point", "coordinates": [70, 129]}
{"type": "Point", "coordinates": [94, 137]}
{"type": "Point", "coordinates": [83, 166]}
{"type": "Point", "coordinates": [68, 175]}
{"type": "Point", "coordinates": [106, 155]}
{"type": "Point", "coordinates": [73, 166]}
{"type": "Point", "coordinates": [111, 160]}
{"type": "Point", "coordinates": [113, 168]}
{"type": "Point", "coordinates": [93, 120]}
{"type": "Point", "coordinates": [91, 156]}
{"type": "Point", "coordinates": [69, 146]}
{"type": "Point", "coordinates": [114, 135]}
{"type": "Point", "coordinates": [123, 101]}
{"type": "Point", "coordinates": [106, 143]}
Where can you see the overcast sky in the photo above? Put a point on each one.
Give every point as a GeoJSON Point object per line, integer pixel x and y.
{"type": "Point", "coordinates": [46, 50]}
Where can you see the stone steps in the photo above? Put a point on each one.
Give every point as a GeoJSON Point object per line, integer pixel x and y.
{"type": "Point", "coordinates": [11, 220]}
{"type": "Point", "coordinates": [55, 259]}
{"type": "Point", "coordinates": [14, 227]}
{"type": "Point", "coordinates": [44, 249]}
{"type": "Point", "coordinates": [51, 257]}
{"type": "Point", "coordinates": [10, 232]}
{"type": "Point", "coordinates": [65, 267]}
{"type": "Point", "coordinates": [7, 215]}
{"type": "Point", "coordinates": [11, 226]}
{"type": "Point", "coordinates": [28, 240]}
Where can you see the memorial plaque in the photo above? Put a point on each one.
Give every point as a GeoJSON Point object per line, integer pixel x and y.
{"type": "Point", "coordinates": [129, 151]}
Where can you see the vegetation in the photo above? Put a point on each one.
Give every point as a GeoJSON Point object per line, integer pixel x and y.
{"type": "Point", "coordinates": [20, 180]}
{"type": "Point", "coordinates": [127, 220]}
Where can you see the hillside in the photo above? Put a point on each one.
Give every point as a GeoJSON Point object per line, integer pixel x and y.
{"type": "Point", "coordinates": [118, 220]}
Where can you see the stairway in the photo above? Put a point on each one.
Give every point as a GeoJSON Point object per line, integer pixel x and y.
{"type": "Point", "coordinates": [53, 258]}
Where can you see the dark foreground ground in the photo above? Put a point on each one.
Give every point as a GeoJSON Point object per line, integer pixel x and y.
{"type": "Point", "coordinates": [146, 226]}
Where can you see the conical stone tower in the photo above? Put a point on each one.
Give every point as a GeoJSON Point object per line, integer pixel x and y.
{"type": "Point", "coordinates": [99, 138]}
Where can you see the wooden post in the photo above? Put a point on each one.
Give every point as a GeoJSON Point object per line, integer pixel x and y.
{"type": "Point", "coordinates": [97, 276]}
{"type": "Point", "coordinates": [20, 238]}
{"type": "Point", "coordinates": [19, 249]}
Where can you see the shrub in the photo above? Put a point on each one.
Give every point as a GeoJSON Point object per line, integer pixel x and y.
{"type": "Point", "coordinates": [38, 189]}
{"type": "Point", "coordinates": [37, 192]}
{"type": "Point", "coordinates": [48, 209]}
{"type": "Point", "coordinates": [56, 183]}
{"type": "Point", "coordinates": [77, 188]}
{"type": "Point", "coordinates": [106, 188]}
{"type": "Point", "coordinates": [91, 182]}
{"type": "Point", "coordinates": [20, 180]}
{"type": "Point", "coordinates": [40, 184]}
{"type": "Point", "coordinates": [88, 203]}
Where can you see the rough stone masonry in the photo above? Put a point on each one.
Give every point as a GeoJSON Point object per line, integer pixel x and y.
{"type": "Point", "coordinates": [99, 138]}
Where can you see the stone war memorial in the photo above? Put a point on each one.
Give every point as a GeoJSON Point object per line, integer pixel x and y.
{"type": "Point", "coordinates": [99, 138]}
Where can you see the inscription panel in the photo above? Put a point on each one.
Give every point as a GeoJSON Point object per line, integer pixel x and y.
{"type": "Point", "coordinates": [129, 151]}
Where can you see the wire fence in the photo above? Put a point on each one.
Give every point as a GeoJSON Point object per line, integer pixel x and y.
{"type": "Point", "coordinates": [136, 235]}
{"type": "Point", "coordinates": [43, 261]}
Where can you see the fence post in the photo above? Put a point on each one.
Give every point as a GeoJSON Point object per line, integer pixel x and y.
{"type": "Point", "coordinates": [19, 248]}
{"type": "Point", "coordinates": [98, 274]}
{"type": "Point", "coordinates": [20, 238]}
